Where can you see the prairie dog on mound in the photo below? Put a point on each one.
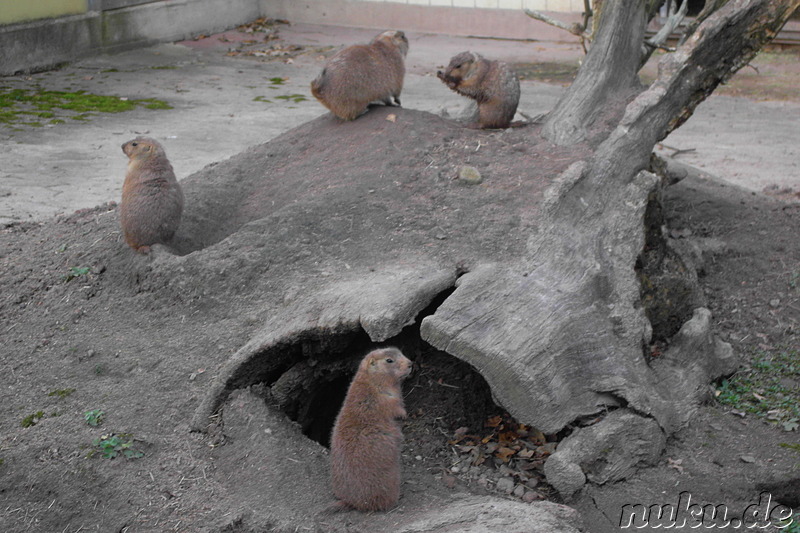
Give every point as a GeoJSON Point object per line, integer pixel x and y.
{"type": "Point", "coordinates": [152, 200]}
{"type": "Point", "coordinates": [492, 84]}
{"type": "Point", "coordinates": [363, 73]}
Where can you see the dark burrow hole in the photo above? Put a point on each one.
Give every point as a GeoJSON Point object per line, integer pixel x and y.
{"type": "Point", "coordinates": [669, 288]}
{"type": "Point", "coordinates": [311, 382]}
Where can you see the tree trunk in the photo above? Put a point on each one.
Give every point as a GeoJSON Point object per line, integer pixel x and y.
{"type": "Point", "coordinates": [350, 228]}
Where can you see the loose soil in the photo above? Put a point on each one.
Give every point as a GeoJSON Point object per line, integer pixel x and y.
{"type": "Point", "coordinates": [83, 329]}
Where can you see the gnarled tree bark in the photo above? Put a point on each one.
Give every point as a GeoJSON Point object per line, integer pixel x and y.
{"type": "Point", "coordinates": [549, 306]}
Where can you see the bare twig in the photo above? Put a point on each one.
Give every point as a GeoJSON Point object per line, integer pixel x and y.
{"type": "Point", "coordinates": [575, 29]}
{"type": "Point", "coordinates": [674, 18]}
{"type": "Point", "coordinates": [587, 16]}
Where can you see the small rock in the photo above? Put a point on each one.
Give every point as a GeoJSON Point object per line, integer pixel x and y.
{"type": "Point", "coordinates": [455, 470]}
{"type": "Point", "coordinates": [748, 459]}
{"type": "Point", "coordinates": [449, 481]}
{"type": "Point", "coordinates": [418, 458]}
{"type": "Point", "coordinates": [505, 471]}
{"type": "Point", "coordinates": [519, 491]}
{"type": "Point", "coordinates": [774, 302]}
{"type": "Point", "coordinates": [531, 496]}
{"type": "Point", "coordinates": [483, 481]}
{"type": "Point", "coordinates": [506, 485]}
{"type": "Point", "coordinates": [469, 175]}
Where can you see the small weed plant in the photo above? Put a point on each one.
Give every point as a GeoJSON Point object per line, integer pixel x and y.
{"type": "Point", "coordinates": [792, 525]}
{"type": "Point", "coordinates": [32, 419]}
{"type": "Point", "coordinates": [76, 272]}
{"type": "Point", "coordinates": [94, 417]}
{"type": "Point", "coordinates": [768, 389]}
{"type": "Point", "coordinates": [113, 446]}
{"type": "Point", "coordinates": [61, 393]}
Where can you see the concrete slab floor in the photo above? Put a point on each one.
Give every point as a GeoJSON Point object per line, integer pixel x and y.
{"type": "Point", "coordinates": [217, 113]}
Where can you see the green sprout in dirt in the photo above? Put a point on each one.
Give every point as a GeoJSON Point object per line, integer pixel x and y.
{"type": "Point", "coordinates": [113, 446]}
{"type": "Point", "coordinates": [61, 393]}
{"type": "Point", "coordinates": [296, 98]}
{"type": "Point", "coordinates": [76, 272]}
{"type": "Point", "coordinates": [791, 525]}
{"type": "Point", "coordinates": [768, 389]}
{"type": "Point", "coordinates": [32, 419]}
{"type": "Point", "coordinates": [794, 280]}
{"type": "Point", "coordinates": [16, 104]}
{"type": "Point", "coordinates": [94, 417]}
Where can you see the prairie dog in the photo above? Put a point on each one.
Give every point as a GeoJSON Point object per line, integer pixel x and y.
{"type": "Point", "coordinates": [492, 84]}
{"type": "Point", "coordinates": [152, 200]}
{"type": "Point", "coordinates": [363, 73]}
{"type": "Point", "coordinates": [366, 440]}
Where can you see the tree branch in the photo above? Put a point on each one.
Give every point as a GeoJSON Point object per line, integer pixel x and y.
{"type": "Point", "coordinates": [722, 44]}
{"type": "Point", "coordinates": [608, 72]}
{"type": "Point", "coordinates": [574, 29]}
{"type": "Point", "coordinates": [674, 19]}
{"type": "Point", "coordinates": [708, 8]}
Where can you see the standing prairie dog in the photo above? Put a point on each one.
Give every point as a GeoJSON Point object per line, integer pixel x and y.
{"type": "Point", "coordinates": [366, 440]}
{"type": "Point", "coordinates": [492, 84]}
{"type": "Point", "coordinates": [363, 73]}
{"type": "Point", "coordinates": [152, 200]}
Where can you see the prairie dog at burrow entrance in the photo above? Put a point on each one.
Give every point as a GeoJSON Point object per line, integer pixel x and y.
{"type": "Point", "coordinates": [366, 440]}
{"type": "Point", "coordinates": [152, 200]}
{"type": "Point", "coordinates": [492, 84]}
{"type": "Point", "coordinates": [363, 73]}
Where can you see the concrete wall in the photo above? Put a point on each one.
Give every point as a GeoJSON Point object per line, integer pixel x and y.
{"type": "Point", "coordinates": [12, 11]}
{"type": "Point", "coordinates": [102, 26]}
{"type": "Point", "coordinates": [483, 18]}
{"type": "Point", "coordinates": [43, 44]}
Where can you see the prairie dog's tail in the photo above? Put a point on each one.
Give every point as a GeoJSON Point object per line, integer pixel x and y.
{"type": "Point", "coordinates": [317, 84]}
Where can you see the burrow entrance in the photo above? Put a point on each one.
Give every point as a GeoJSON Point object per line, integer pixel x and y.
{"type": "Point", "coordinates": [311, 382]}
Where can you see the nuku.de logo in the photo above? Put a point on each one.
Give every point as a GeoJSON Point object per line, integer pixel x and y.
{"type": "Point", "coordinates": [685, 514]}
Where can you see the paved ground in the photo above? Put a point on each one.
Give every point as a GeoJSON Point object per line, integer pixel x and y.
{"type": "Point", "coordinates": [217, 113]}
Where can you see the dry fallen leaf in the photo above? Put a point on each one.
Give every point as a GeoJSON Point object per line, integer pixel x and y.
{"type": "Point", "coordinates": [504, 454]}
{"type": "Point", "coordinates": [508, 437]}
{"type": "Point", "coordinates": [391, 117]}
{"type": "Point", "coordinates": [494, 421]}
{"type": "Point", "coordinates": [526, 454]}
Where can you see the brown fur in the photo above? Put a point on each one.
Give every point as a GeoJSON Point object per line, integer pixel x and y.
{"type": "Point", "coordinates": [492, 84]}
{"type": "Point", "coordinates": [152, 200]}
{"type": "Point", "coordinates": [363, 73]}
{"type": "Point", "coordinates": [366, 440]}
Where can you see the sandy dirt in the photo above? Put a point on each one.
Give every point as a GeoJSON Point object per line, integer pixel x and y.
{"type": "Point", "coordinates": [82, 330]}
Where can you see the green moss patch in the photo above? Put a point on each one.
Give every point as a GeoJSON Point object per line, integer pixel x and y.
{"type": "Point", "coordinates": [18, 105]}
